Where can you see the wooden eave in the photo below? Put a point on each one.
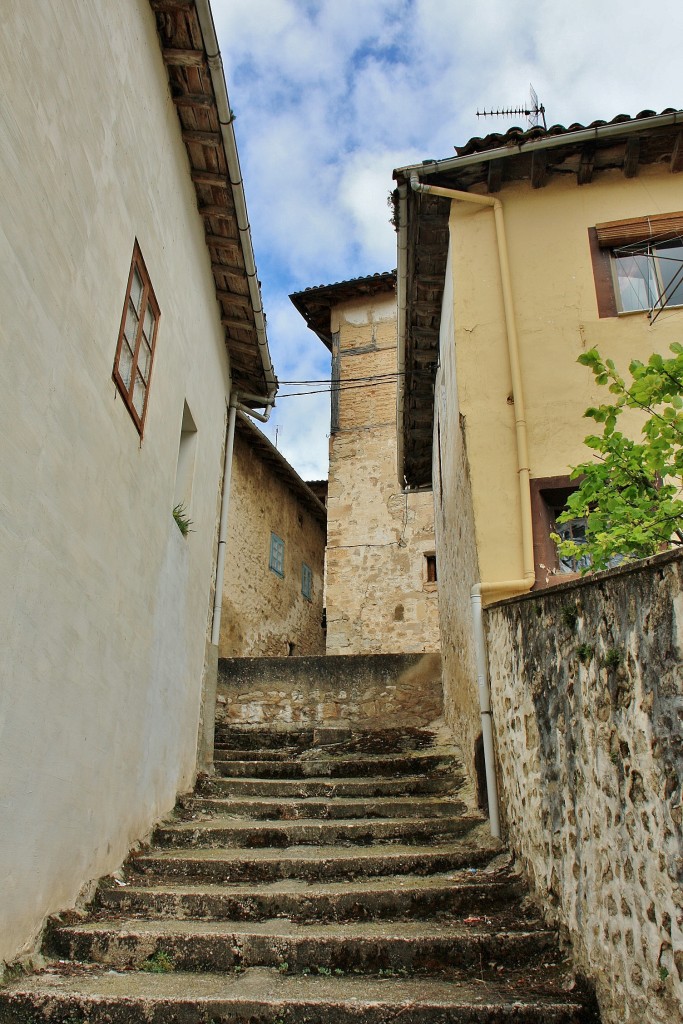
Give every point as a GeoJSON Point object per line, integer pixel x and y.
{"type": "Point", "coordinates": [279, 466]}
{"type": "Point", "coordinates": [192, 92]}
{"type": "Point", "coordinates": [316, 304]}
{"type": "Point", "coordinates": [427, 234]}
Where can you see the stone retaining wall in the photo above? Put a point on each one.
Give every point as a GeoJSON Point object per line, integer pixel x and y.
{"type": "Point", "coordinates": [587, 689]}
{"type": "Point", "coordinates": [378, 691]}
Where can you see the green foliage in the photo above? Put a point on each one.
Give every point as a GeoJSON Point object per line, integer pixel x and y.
{"type": "Point", "coordinates": [570, 616]}
{"type": "Point", "coordinates": [158, 963]}
{"type": "Point", "coordinates": [613, 658]}
{"type": "Point", "coordinates": [183, 521]}
{"type": "Point", "coordinates": [585, 652]}
{"type": "Point", "coordinates": [631, 496]}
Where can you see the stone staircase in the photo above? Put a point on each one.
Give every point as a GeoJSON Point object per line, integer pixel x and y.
{"type": "Point", "coordinates": [321, 876]}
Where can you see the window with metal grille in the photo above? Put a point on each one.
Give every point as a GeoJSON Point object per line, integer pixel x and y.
{"type": "Point", "coordinates": [306, 581]}
{"type": "Point", "coordinates": [137, 340]}
{"type": "Point", "coordinates": [277, 555]}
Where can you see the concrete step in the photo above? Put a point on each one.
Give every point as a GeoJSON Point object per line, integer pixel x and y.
{"type": "Point", "coordinates": [464, 894]}
{"type": "Point", "coordinates": [314, 862]}
{"type": "Point", "coordinates": [264, 996]}
{"type": "Point", "coordinates": [229, 832]}
{"type": "Point", "coordinates": [346, 766]}
{"type": "Point", "coordinates": [330, 788]}
{"type": "Point", "coordinates": [339, 808]}
{"type": "Point", "coordinates": [357, 947]}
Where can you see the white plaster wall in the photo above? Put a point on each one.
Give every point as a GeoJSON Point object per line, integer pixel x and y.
{"type": "Point", "coordinates": [104, 606]}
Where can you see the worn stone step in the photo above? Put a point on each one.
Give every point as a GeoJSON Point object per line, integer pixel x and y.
{"type": "Point", "coordinates": [366, 946]}
{"type": "Point", "coordinates": [347, 766]}
{"type": "Point", "coordinates": [260, 737]}
{"type": "Point", "coordinates": [331, 788]}
{"type": "Point", "coordinates": [462, 894]}
{"type": "Point", "coordinates": [314, 862]}
{"type": "Point", "coordinates": [264, 996]}
{"type": "Point", "coordinates": [292, 809]}
{"type": "Point", "coordinates": [229, 832]}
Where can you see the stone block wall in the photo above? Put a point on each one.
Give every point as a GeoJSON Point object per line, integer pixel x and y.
{"type": "Point", "coordinates": [378, 596]}
{"type": "Point", "coordinates": [587, 691]}
{"type": "Point", "coordinates": [263, 613]}
{"type": "Point", "coordinates": [367, 692]}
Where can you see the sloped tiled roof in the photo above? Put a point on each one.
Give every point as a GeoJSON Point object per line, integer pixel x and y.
{"type": "Point", "coordinates": [518, 136]}
{"type": "Point", "coordinates": [315, 303]}
{"type": "Point", "coordinates": [490, 164]}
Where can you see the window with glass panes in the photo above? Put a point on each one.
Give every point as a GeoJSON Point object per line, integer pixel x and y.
{"type": "Point", "coordinates": [306, 581]}
{"type": "Point", "coordinates": [137, 338]}
{"type": "Point", "coordinates": [277, 555]}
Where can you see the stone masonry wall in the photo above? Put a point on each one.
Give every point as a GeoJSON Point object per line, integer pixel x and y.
{"type": "Point", "coordinates": [587, 688]}
{"type": "Point", "coordinates": [263, 613]}
{"type": "Point", "coordinates": [378, 597]}
{"type": "Point", "coordinates": [378, 692]}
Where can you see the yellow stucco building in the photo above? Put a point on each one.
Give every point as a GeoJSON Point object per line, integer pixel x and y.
{"type": "Point", "coordinates": [515, 256]}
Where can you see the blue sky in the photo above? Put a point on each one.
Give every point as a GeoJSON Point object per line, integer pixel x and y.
{"type": "Point", "coordinates": [331, 95]}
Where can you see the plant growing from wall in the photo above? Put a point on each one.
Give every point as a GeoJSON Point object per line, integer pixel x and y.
{"type": "Point", "coordinates": [630, 496]}
{"type": "Point", "coordinates": [182, 519]}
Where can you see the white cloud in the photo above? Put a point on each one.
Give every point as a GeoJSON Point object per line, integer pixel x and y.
{"type": "Point", "coordinates": [331, 96]}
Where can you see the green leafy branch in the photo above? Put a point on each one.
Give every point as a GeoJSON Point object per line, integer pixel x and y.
{"type": "Point", "coordinates": [630, 494]}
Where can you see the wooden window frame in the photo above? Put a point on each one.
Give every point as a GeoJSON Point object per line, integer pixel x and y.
{"type": "Point", "coordinates": [609, 235]}
{"type": "Point", "coordinates": [147, 302]}
{"type": "Point", "coordinates": [546, 561]}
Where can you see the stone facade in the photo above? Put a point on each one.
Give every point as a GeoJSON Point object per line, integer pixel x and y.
{"type": "Point", "coordinates": [378, 594]}
{"type": "Point", "coordinates": [382, 692]}
{"type": "Point", "coordinates": [587, 692]}
{"type": "Point", "coordinates": [265, 614]}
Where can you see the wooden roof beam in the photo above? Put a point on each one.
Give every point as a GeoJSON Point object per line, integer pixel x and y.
{"type": "Point", "coordinates": [192, 99]}
{"type": "Point", "coordinates": [237, 324]}
{"type": "Point", "coordinates": [171, 5]}
{"type": "Point", "coordinates": [584, 175]}
{"type": "Point", "coordinates": [215, 210]}
{"type": "Point", "coordinates": [495, 178]}
{"type": "Point", "coordinates": [226, 244]}
{"type": "Point", "coordinates": [631, 157]}
{"type": "Point", "coordinates": [539, 168]}
{"type": "Point", "coordinates": [212, 139]}
{"type": "Point", "coordinates": [214, 178]}
{"type": "Point", "coordinates": [677, 155]}
{"type": "Point", "coordinates": [177, 57]}
{"type": "Point", "coordinates": [234, 298]}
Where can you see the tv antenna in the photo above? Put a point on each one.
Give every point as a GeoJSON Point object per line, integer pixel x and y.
{"type": "Point", "coordinates": [533, 112]}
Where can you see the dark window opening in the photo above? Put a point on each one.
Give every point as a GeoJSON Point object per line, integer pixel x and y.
{"type": "Point", "coordinates": [431, 568]}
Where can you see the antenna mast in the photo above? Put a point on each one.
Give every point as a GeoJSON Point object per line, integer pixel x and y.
{"type": "Point", "coordinates": [533, 112]}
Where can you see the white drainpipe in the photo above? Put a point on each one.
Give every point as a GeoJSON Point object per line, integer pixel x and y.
{"type": "Point", "coordinates": [500, 588]}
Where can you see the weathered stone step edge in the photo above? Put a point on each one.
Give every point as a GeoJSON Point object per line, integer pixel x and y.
{"type": "Point", "coordinates": [262, 996]}
{"type": "Point", "coordinates": [263, 737]}
{"type": "Point", "coordinates": [310, 863]}
{"type": "Point", "coordinates": [344, 767]}
{"type": "Point", "coordinates": [227, 832]}
{"type": "Point", "coordinates": [370, 787]}
{"type": "Point", "coordinates": [423, 947]}
{"type": "Point", "coordinates": [388, 898]}
{"type": "Point", "coordinates": [398, 748]}
{"type": "Point", "coordinates": [337, 809]}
